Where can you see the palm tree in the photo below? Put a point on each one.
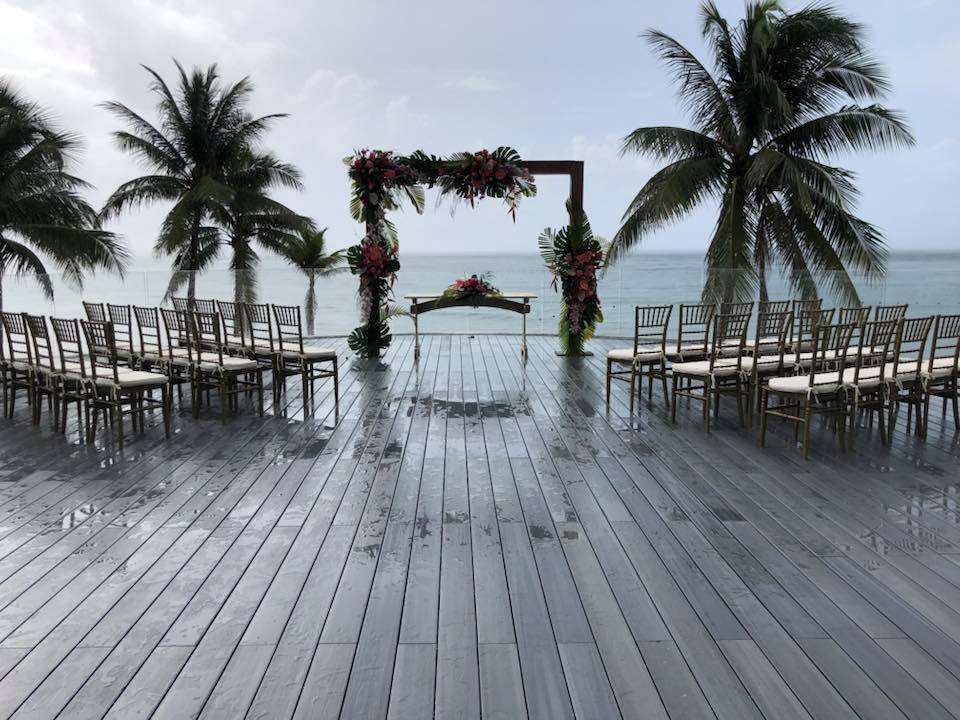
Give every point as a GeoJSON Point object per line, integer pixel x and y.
{"type": "Point", "coordinates": [252, 218]}
{"type": "Point", "coordinates": [42, 214]}
{"type": "Point", "coordinates": [308, 252]}
{"type": "Point", "coordinates": [790, 90]}
{"type": "Point", "coordinates": [202, 138]}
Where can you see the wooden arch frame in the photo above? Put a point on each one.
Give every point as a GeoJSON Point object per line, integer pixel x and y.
{"type": "Point", "coordinates": [573, 168]}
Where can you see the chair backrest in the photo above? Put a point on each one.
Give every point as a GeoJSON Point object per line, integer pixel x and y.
{"type": "Point", "coordinates": [831, 343]}
{"type": "Point", "coordinates": [102, 348]}
{"type": "Point", "coordinates": [729, 335]}
{"type": "Point", "coordinates": [122, 320]}
{"type": "Point", "coordinates": [773, 333]}
{"type": "Point", "coordinates": [95, 311]}
{"type": "Point", "coordinates": [289, 328]}
{"type": "Point", "coordinates": [650, 324]}
{"type": "Point", "coordinates": [70, 345]}
{"type": "Point", "coordinates": [177, 327]}
{"type": "Point", "coordinates": [908, 352]}
{"type": "Point", "coordinates": [773, 306]}
{"type": "Point", "coordinates": [732, 308]}
{"type": "Point", "coordinates": [856, 315]}
{"type": "Point", "coordinates": [180, 303]}
{"type": "Point", "coordinates": [890, 312]}
{"type": "Point", "coordinates": [204, 306]}
{"type": "Point", "coordinates": [206, 328]}
{"type": "Point", "coordinates": [19, 346]}
{"type": "Point", "coordinates": [875, 346]}
{"type": "Point", "coordinates": [261, 335]}
{"type": "Point", "coordinates": [945, 346]}
{"type": "Point", "coordinates": [148, 330]}
{"type": "Point", "coordinates": [694, 328]}
{"type": "Point", "coordinates": [801, 335]}
{"type": "Point", "coordinates": [232, 322]}
{"type": "Point", "coordinates": [801, 306]}
{"type": "Point", "coordinates": [41, 342]}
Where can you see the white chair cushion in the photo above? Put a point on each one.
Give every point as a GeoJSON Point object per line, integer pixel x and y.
{"type": "Point", "coordinates": [211, 361]}
{"type": "Point", "coordinates": [721, 368]}
{"type": "Point", "coordinates": [869, 377]}
{"type": "Point", "coordinates": [135, 378]}
{"type": "Point", "coordinates": [312, 352]}
{"type": "Point", "coordinates": [800, 384]}
{"type": "Point", "coordinates": [625, 355]}
{"type": "Point", "coordinates": [671, 350]}
{"type": "Point", "coordinates": [942, 367]}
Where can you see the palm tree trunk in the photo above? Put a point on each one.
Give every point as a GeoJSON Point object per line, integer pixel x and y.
{"type": "Point", "coordinates": [193, 252]}
{"type": "Point", "coordinates": [760, 253]}
{"type": "Point", "coordinates": [311, 302]}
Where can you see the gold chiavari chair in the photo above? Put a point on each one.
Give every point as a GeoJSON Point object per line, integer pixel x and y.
{"type": "Point", "coordinates": [648, 353]}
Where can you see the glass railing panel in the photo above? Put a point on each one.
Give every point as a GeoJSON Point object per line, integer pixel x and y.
{"type": "Point", "coordinates": [928, 286]}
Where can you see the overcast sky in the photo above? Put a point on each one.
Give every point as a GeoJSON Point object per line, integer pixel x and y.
{"type": "Point", "coordinates": [556, 80]}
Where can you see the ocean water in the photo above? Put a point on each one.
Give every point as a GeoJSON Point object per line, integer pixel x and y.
{"type": "Point", "coordinates": [929, 282]}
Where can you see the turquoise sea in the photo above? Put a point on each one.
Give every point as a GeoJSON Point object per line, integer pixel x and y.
{"type": "Point", "coordinates": [930, 282]}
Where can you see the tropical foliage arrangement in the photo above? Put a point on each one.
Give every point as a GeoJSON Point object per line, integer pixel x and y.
{"type": "Point", "coordinates": [475, 286]}
{"type": "Point", "coordinates": [204, 158]}
{"type": "Point", "coordinates": [383, 181]}
{"type": "Point", "coordinates": [43, 215]}
{"type": "Point", "coordinates": [790, 90]}
{"type": "Point", "coordinates": [575, 256]}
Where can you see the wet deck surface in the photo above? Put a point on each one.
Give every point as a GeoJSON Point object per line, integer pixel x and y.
{"type": "Point", "coordinates": [477, 539]}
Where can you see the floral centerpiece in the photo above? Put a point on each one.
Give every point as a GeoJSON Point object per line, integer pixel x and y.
{"type": "Point", "coordinates": [575, 257]}
{"type": "Point", "coordinates": [475, 286]}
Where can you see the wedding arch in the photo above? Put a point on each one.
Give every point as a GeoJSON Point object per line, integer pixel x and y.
{"type": "Point", "coordinates": [383, 181]}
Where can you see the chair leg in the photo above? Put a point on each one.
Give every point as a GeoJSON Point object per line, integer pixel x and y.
{"type": "Point", "coordinates": [764, 400]}
{"type": "Point", "coordinates": [224, 399]}
{"type": "Point", "coordinates": [841, 427]}
{"type": "Point", "coordinates": [740, 413]}
{"type": "Point", "coordinates": [891, 421]}
{"type": "Point", "coordinates": [673, 410]}
{"type": "Point", "coordinates": [633, 388]}
{"type": "Point", "coordinates": [609, 371]}
{"type": "Point", "coordinates": [259, 376]}
{"type": "Point", "coordinates": [806, 429]}
{"type": "Point", "coordinates": [119, 414]}
{"type": "Point", "coordinates": [707, 391]}
{"type": "Point", "coordinates": [956, 407]}
{"type": "Point", "coordinates": [165, 409]}
{"type": "Point", "coordinates": [336, 382]}
{"type": "Point", "coordinates": [663, 381]}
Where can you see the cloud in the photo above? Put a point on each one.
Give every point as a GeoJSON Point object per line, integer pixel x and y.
{"type": "Point", "coordinates": [475, 83]}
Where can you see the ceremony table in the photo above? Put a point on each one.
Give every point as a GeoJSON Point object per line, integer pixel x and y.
{"type": "Point", "coordinates": [518, 302]}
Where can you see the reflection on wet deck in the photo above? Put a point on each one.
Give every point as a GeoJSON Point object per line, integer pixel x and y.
{"type": "Point", "coordinates": [473, 537]}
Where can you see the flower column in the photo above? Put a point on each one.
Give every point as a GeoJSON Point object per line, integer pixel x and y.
{"type": "Point", "coordinates": [374, 260]}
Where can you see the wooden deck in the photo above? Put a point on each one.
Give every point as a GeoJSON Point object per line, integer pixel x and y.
{"type": "Point", "coordinates": [477, 538]}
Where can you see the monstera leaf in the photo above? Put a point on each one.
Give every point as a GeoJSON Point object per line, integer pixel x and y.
{"type": "Point", "coordinates": [370, 339]}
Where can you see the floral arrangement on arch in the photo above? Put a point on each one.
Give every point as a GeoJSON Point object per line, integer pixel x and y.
{"type": "Point", "coordinates": [575, 257]}
{"type": "Point", "coordinates": [472, 176]}
{"type": "Point", "coordinates": [475, 286]}
{"type": "Point", "coordinates": [383, 181]}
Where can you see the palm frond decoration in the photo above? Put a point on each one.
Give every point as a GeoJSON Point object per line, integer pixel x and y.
{"type": "Point", "coordinates": [575, 257]}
